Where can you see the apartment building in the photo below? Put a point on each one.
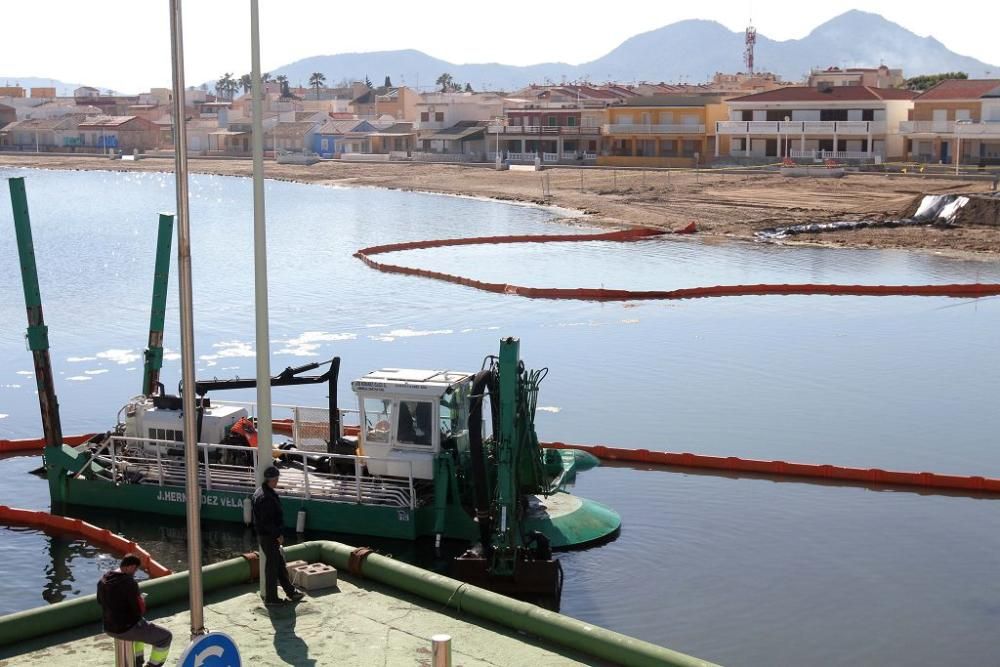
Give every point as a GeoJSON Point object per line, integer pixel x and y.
{"type": "Point", "coordinates": [956, 120]}
{"type": "Point", "coordinates": [855, 123]}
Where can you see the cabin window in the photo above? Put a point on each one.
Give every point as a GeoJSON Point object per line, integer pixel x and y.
{"type": "Point", "coordinates": [424, 116]}
{"type": "Point", "coordinates": [438, 116]}
{"type": "Point", "coordinates": [414, 427]}
{"type": "Point", "coordinates": [378, 420]}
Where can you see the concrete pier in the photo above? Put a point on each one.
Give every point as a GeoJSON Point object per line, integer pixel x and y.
{"type": "Point", "coordinates": [358, 623]}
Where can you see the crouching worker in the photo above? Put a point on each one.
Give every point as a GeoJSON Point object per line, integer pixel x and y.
{"type": "Point", "coordinates": [123, 607]}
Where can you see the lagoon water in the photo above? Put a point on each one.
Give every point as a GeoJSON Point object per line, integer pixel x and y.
{"type": "Point", "coordinates": [740, 571]}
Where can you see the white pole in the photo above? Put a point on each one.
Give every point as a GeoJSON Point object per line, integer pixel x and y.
{"type": "Point", "coordinates": [192, 490]}
{"type": "Point", "coordinates": [264, 435]}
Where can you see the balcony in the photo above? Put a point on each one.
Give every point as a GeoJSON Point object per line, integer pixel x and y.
{"type": "Point", "coordinates": [825, 127]}
{"type": "Point", "coordinates": [537, 130]}
{"type": "Point", "coordinates": [638, 128]}
{"type": "Point", "coordinates": [988, 130]}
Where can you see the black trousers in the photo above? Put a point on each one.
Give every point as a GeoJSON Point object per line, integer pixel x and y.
{"type": "Point", "coordinates": [275, 571]}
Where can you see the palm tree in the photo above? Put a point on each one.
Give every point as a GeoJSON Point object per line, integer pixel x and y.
{"type": "Point", "coordinates": [283, 82]}
{"type": "Point", "coordinates": [316, 80]}
{"type": "Point", "coordinates": [227, 85]}
{"type": "Point", "coordinates": [446, 82]}
{"type": "Point", "coordinates": [246, 83]}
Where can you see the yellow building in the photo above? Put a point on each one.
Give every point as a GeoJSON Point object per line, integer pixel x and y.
{"type": "Point", "coordinates": [661, 131]}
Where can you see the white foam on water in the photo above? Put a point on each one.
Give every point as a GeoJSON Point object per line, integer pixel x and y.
{"type": "Point", "coordinates": [548, 408]}
{"type": "Point", "coordinates": [120, 356]}
{"type": "Point", "coordinates": [227, 349]}
{"type": "Point", "coordinates": [79, 378]}
{"type": "Point", "coordinates": [76, 360]}
{"type": "Point", "coordinates": [96, 371]}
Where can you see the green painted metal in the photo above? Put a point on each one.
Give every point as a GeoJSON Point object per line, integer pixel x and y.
{"type": "Point", "coordinates": [153, 354]}
{"type": "Point", "coordinates": [522, 616]}
{"type": "Point", "coordinates": [37, 335]}
{"type": "Point", "coordinates": [43, 621]}
{"type": "Point", "coordinates": [505, 537]}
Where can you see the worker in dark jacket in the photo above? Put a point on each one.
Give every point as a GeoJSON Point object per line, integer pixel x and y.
{"type": "Point", "coordinates": [123, 607]}
{"type": "Point", "coordinates": [269, 524]}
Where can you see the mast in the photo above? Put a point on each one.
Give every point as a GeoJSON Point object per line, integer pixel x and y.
{"type": "Point", "coordinates": [262, 332]}
{"type": "Point", "coordinates": [38, 333]}
{"type": "Point", "coordinates": [153, 354]}
{"type": "Point", "coordinates": [192, 489]}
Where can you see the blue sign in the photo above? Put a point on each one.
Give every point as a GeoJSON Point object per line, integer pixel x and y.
{"type": "Point", "coordinates": [216, 649]}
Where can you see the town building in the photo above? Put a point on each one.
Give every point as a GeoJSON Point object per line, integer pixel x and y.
{"type": "Point", "coordinates": [661, 131]}
{"type": "Point", "coordinates": [957, 118]}
{"type": "Point", "coordinates": [858, 123]}
{"type": "Point", "coordinates": [7, 115]}
{"type": "Point", "coordinates": [874, 77]}
{"type": "Point", "coordinates": [551, 133]}
{"type": "Point", "coordinates": [399, 104]}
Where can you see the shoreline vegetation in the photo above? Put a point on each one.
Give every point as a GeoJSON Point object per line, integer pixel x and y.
{"type": "Point", "coordinates": [723, 205]}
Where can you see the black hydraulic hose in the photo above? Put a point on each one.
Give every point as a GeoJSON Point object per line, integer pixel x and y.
{"type": "Point", "coordinates": [480, 484]}
{"type": "Point", "coordinates": [333, 374]}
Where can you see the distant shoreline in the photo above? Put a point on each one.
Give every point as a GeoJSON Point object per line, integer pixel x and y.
{"type": "Point", "coordinates": [723, 206]}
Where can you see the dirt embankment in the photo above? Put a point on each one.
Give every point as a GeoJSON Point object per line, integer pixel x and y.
{"type": "Point", "coordinates": [723, 205]}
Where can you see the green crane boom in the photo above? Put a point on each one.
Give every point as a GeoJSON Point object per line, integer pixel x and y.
{"type": "Point", "coordinates": [153, 354]}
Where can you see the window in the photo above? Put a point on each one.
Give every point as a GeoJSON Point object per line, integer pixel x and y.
{"type": "Point", "coordinates": [868, 114]}
{"type": "Point", "coordinates": [439, 116]}
{"type": "Point", "coordinates": [833, 114]}
{"type": "Point", "coordinates": [571, 121]}
{"type": "Point", "coordinates": [746, 115]}
{"type": "Point", "coordinates": [414, 426]}
{"type": "Point", "coordinates": [425, 116]}
{"type": "Point", "coordinates": [553, 121]}
{"type": "Point", "coordinates": [378, 420]}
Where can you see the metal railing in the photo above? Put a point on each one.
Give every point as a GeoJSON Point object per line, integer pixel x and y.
{"type": "Point", "coordinates": [836, 155]}
{"type": "Point", "coordinates": [593, 130]}
{"type": "Point", "coordinates": [638, 128]}
{"type": "Point", "coordinates": [231, 468]}
{"type": "Point", "coordinates": [773, 127]}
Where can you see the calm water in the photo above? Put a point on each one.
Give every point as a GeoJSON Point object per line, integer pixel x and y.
{"type": "Point", "coordinates": [740, 571]}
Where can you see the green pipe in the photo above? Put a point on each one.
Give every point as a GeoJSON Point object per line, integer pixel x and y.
{"type": "Point", "coordinates": [60, 616]}
{"type": "Point", "coordinates": [450, 593]}
{"type": "Point", "coordinates": [515, 614]}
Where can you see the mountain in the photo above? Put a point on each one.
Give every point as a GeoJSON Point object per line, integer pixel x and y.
{"type": "Point", "coordinates": [693, 49]}
{"type": "Point", "coordinates": [62, 88]}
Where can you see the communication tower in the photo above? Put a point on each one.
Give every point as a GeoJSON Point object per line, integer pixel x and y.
{"type": "Point", "coordinates": [751, 40]}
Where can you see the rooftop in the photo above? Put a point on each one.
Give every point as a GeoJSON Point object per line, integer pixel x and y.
{"type": "Point", "coordinates": [962, 89]}
{"type": "Point", "coordinates": [828, 94]}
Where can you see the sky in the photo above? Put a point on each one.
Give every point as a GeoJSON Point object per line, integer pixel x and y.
{"type": "Point", "coordinates": [125, 44]}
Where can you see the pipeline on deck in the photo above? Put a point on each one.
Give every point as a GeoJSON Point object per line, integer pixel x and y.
{"type": "Point", "coordinates": [98, 536]}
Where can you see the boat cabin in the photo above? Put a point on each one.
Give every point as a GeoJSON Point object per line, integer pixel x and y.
{"type": "Point", "coordinates": [408, 416]}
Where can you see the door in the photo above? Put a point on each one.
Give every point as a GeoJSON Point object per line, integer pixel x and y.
{"type": "Point", "coordinates": [945, 157]}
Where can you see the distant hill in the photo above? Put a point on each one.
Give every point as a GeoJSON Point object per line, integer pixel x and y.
{"type": "Point", "coordinates": [693, 50]}
{"type": "Point", "coordinates": [63, 89]}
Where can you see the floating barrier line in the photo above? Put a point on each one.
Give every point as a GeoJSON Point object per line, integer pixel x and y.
{"type": "Point", "coordinates": [926, 480]}
{"type": "Point", "coordinates": [97, 536]}
{"type": "Point", "coordinates": [34, 444]}
{"type": "Point", "coordinates": [962, 290]}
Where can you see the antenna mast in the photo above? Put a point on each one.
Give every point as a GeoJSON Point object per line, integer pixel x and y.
{"type": "Point", "coordinates": [751, 40]}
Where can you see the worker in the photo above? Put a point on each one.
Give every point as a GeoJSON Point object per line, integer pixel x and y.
{"type": "Point", "coordinates": [269, 523]}
{"type": "Point", "coordinates": [123, 607]}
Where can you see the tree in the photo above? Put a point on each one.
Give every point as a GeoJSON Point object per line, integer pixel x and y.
{"type": "Point", "coordinates": [226, 86]}
{"type": "Point", "coordinates": [446, 82]}
{"type": "Point", "coordinates": [388, 82]}
{"type": "Point", "coordinates": [468, 88]}
{"type": "Point", "coordinates": [926, 81]}
{"type": "Point", "coordinates": [283, 82]}
{"type": "Point", "coordinates": [246, 83]}
{"type": "Point", "coordinates": [265, 77]}
{"type": "Point", "coordinates": [316, 80]}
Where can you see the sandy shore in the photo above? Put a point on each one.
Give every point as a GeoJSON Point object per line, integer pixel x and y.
{"type": "Point", "coordinates": [722, 205]}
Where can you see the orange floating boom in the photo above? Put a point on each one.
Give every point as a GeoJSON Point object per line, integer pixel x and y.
{"type": "Point", "coordinates": [35, 444]}
{"type": "Point", "coordinates": [97, 536]}
{"type": "Point", "coordinates": [968, 290]}
{"type": "Point", "coordinates": [926, 480]}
